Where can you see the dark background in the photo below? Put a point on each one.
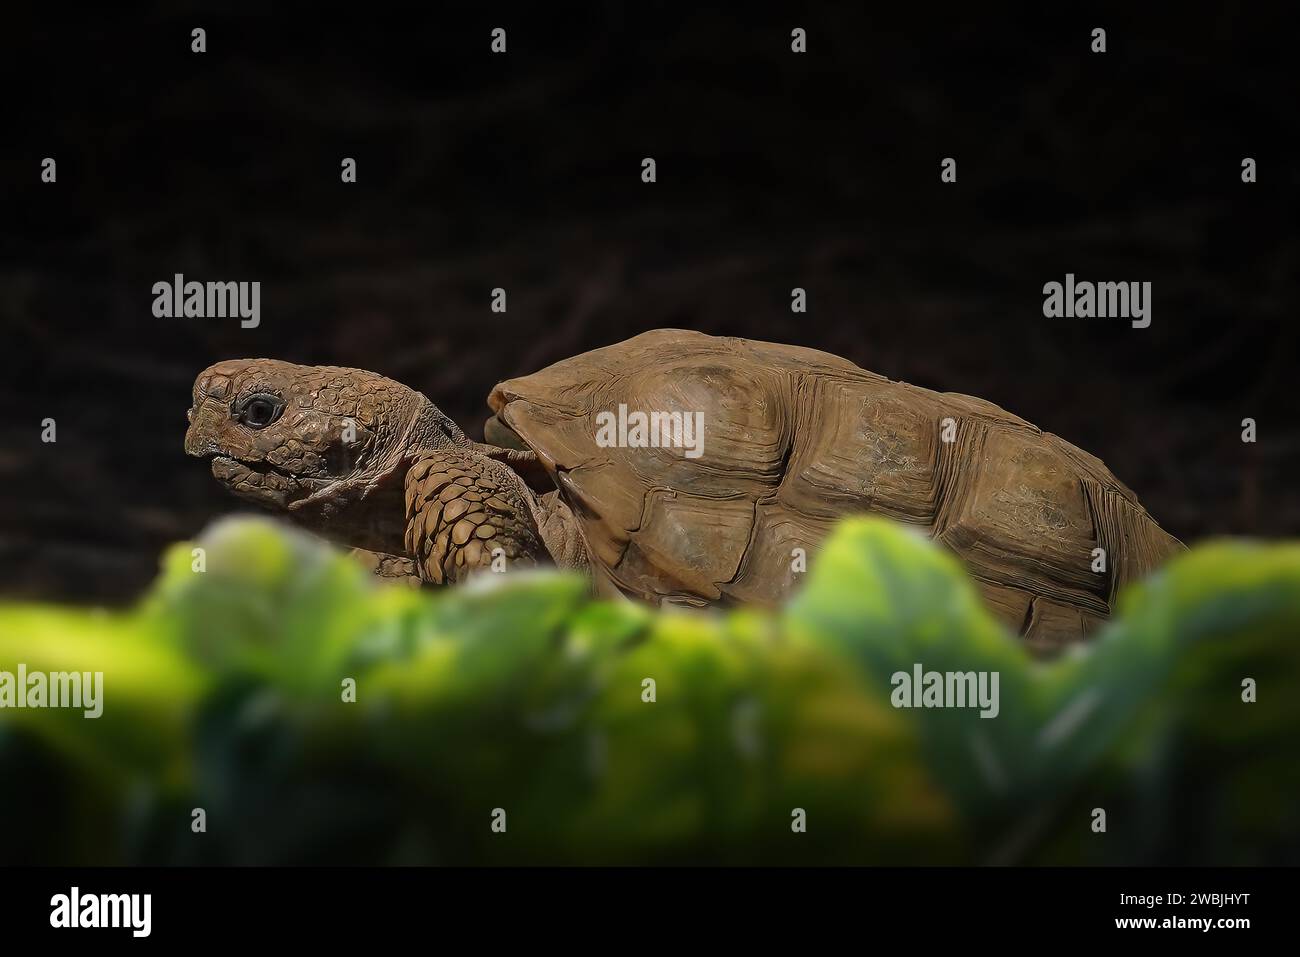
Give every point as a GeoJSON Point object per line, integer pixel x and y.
{"type": "Point", "coordinates": [523, 171]}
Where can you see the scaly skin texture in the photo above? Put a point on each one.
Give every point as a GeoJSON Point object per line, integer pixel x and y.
{"type": "Point", "coordinates": [463, 512]}
{"type": "Point", "coordinates": [368, 463]}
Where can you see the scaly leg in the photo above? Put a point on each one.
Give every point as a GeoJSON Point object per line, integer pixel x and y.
{"type": "Point", "coordinates": [465, 510]}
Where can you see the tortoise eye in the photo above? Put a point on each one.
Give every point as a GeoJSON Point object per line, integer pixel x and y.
{"type": "Point", "coordinates": [259, 410]}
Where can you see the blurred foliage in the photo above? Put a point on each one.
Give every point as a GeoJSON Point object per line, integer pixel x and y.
{"type": "Point", "coordinates": [224, 691]}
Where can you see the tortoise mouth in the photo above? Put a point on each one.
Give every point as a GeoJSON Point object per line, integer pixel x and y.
{"type": "Point", "coordinates": [262, 482]}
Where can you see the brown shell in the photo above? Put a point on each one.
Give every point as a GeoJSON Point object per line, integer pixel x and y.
{"type": "Point", "coordinates": [795, 439]}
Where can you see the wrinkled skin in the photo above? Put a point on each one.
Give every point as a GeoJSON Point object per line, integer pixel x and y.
{"type": "Point", "coordinates": [334, 452]}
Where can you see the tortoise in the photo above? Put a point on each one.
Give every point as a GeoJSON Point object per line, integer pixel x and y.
{"type": "Point", "coordinates": [678, 467]}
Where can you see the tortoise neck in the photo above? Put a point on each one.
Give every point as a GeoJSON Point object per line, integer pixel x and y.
{"type": "Point", "coordinates": [430, 428]}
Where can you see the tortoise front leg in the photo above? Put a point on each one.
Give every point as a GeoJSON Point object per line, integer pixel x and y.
{"type": "Point", "coordinates": [465, 512]}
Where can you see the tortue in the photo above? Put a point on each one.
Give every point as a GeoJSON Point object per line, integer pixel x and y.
{"type": "Point", "coordinates": [793, 439]}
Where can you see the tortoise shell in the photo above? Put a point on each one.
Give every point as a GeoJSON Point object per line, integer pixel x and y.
{"type": "Point", "coordinates": [794, 439]}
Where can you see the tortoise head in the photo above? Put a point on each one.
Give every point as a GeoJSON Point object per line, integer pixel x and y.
{"type": "Point", "coordinates": [326, 446]}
